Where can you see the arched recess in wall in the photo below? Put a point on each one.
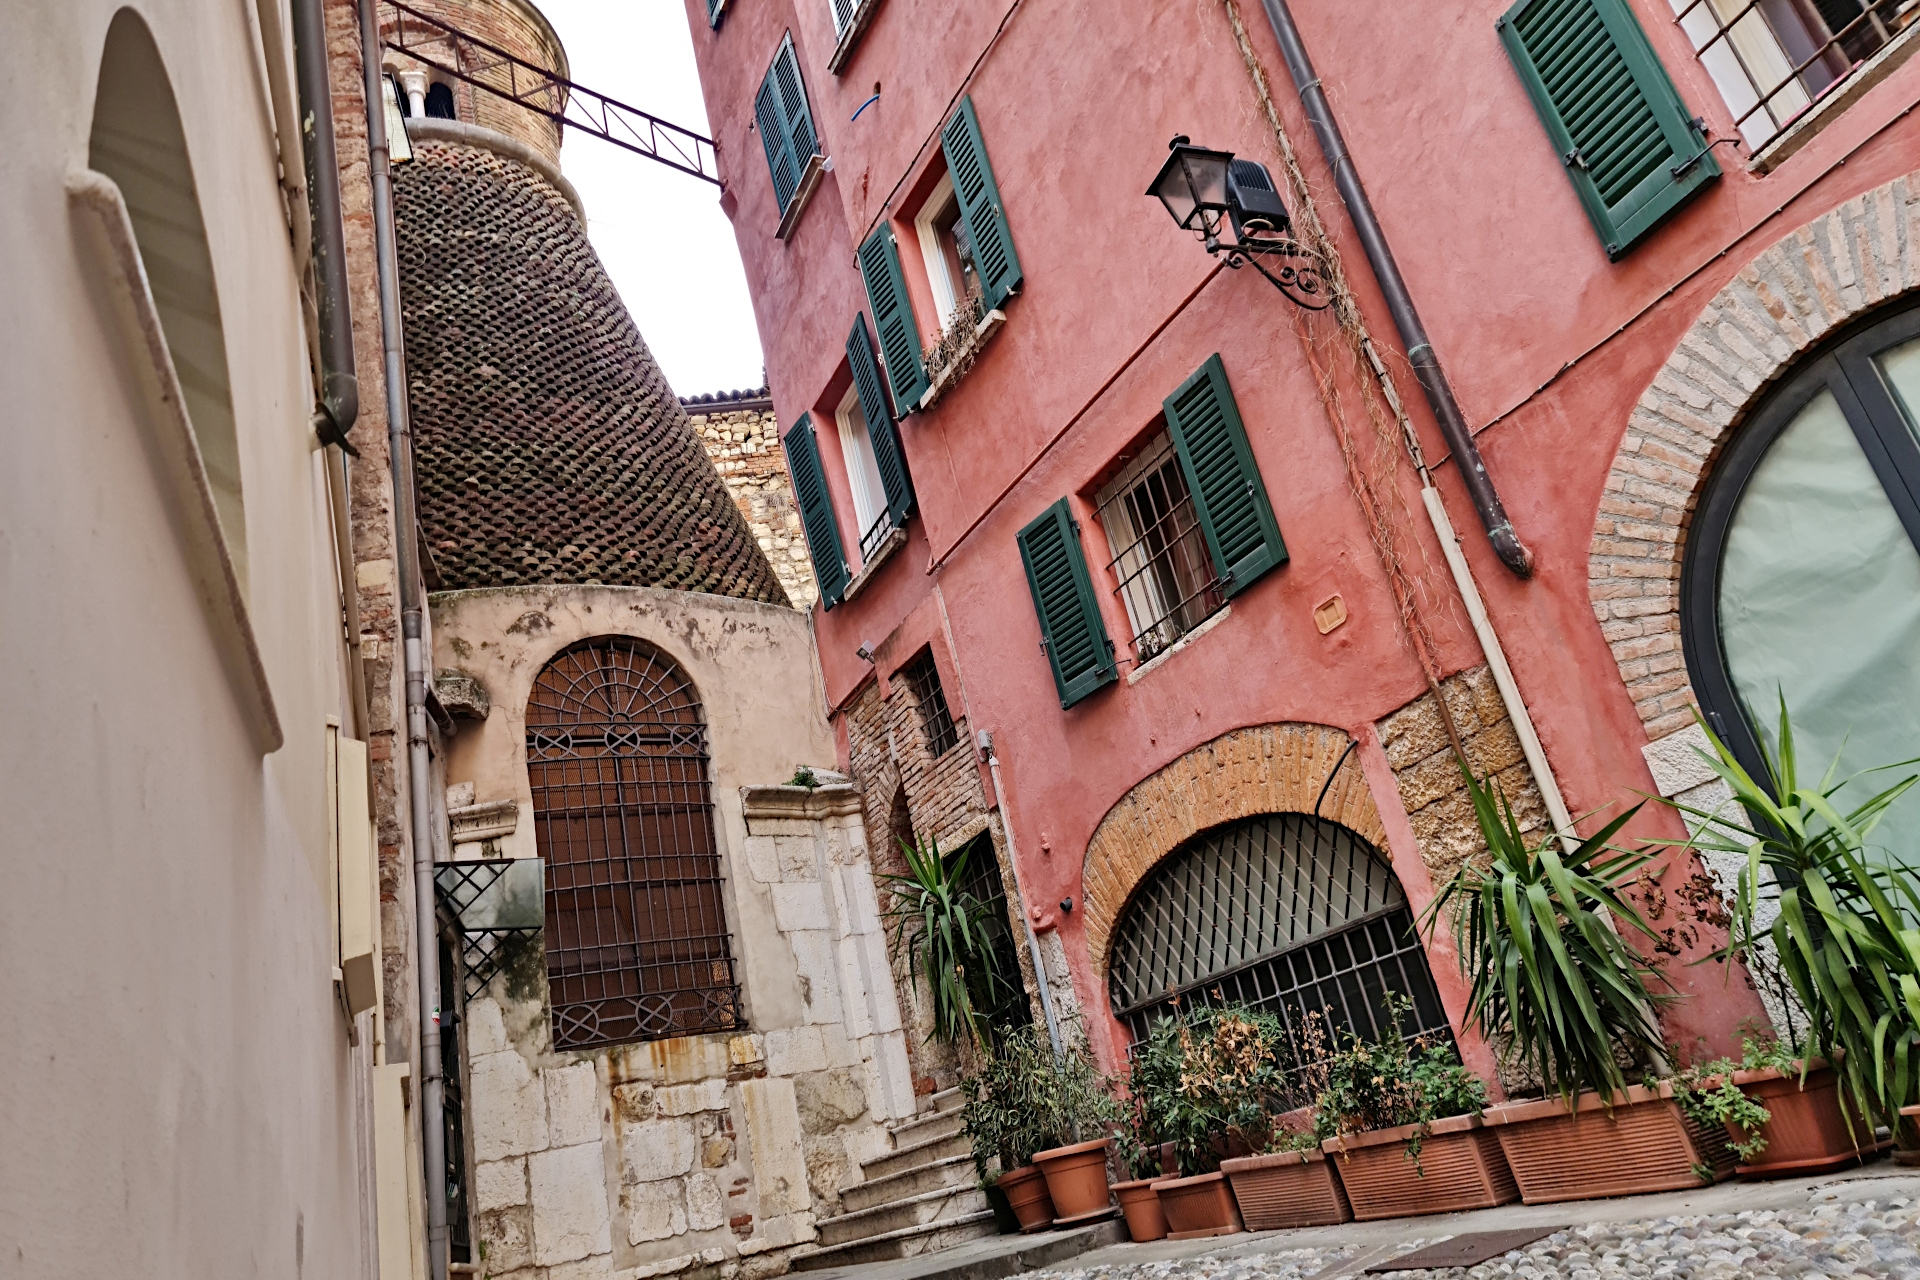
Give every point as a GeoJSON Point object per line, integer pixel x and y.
{"type": "Point", "coordinates": [637, 942]}
{"type": "Point", "coordinates": [137, 140]}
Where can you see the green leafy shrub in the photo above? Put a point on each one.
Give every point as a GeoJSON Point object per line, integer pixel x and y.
{"type": "Point", "coordinates": [1210, 1079]}
{"type": "Point", "coordinates": [1707, 1092]}
{"type": "Point", "coordinates": [1366, 1086]}
{"type": "Point", "coordinates": [948, 934]}
{"type": "Point", "coordinates": [1023, 1099]}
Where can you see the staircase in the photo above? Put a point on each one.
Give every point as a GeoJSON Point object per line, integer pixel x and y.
{"type": "Point", "coordinates": [921, 1197]}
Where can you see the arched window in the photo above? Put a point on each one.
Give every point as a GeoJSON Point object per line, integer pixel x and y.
{"type": "Point", "coordinates": [1801, 574]}
{"type": "Point", "coordinates": [137, 141]}
{"type": "Point", "coordinates": [440, 102]}
{"type": "Point", "coordinates": [1283, 911]}
{"type": "Point", "coordinates": [636, 926]}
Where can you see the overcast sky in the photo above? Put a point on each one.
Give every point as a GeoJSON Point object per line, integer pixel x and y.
{"type": "Point", "coordinates": [666, 244]}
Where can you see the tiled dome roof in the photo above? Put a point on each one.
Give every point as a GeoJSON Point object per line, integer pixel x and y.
{"type": "Point", "coordinates": [548, 447]}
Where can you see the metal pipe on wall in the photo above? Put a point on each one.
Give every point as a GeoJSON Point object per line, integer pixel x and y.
{"type": "Point", "coordinates": [406, 564]}
{"type": "Point", "coordinates": [1386, 272]}
{"type": "Point", "coordinates": [339, 385]}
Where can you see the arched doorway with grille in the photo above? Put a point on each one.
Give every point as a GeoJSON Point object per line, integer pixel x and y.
{"type": "Point", "coordinates": [637, 941]}
{"type": "Point", "coordinates": [1287, 912]}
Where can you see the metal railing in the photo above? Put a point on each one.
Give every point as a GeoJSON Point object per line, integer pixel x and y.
{"type": "Point", "coordinates": [1164, 575]}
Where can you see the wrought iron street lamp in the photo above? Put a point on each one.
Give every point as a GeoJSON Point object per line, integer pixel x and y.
{"type": "Point", "coordinates": [1232, 207]}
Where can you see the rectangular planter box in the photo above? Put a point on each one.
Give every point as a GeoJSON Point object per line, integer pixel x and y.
{"type": "Point", "coordinates": [1287, 1189]}
{"type": "Point", "coordinates": [1460, 1167]}
{"type": "Point", "coordinates": [1808, 1131]}
{"type": "Point", "coordinates": [1645, 1143]}
{"type": "Point", "coordinates": [1198, 1206]}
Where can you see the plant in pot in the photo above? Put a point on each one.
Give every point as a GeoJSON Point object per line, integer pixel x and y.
{"type": "Point", "coordinates": [1783, 1111]}
{"type": "Point", "coordinates": [1403, 1116]}
{"type": "Point", "coordinates": [1842, 931]}
{"type": "Point", "coordinates": [1076, 1115]}
{"type": "Point", "coordinates": [1000, 1116]}
{"type": "Point", "coordinates": [1539, 930]}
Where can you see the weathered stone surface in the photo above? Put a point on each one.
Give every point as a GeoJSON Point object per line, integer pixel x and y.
{"type": "Point", "coordinates": [656, 1149]}
{"type": "Point", "coordinates": [745, 1050]}
{"type": "Point", "coordinates": [686, 1099]}
{"type": "Point", "coordinates": [800, 906]}
{"type": "Point", "coordinates": [715, 1152]}
{"type": "Point", "coordinates": [569, 1191]}
{"type": "Point", "coordinates": [485, 1029]}
{"type": "Point", "coordinates": [573, 1104]}
{"type": "Point", "coordinates": [634, 1101]}
{"type": "Point", "coordinates": [706, 1203]}
{"type": "Point", "coordinates": [499, 1184]}
{"type": "Point", "coordinates": [773, 1130]}
{"type": "Point", "coordinates": [1676, 763]}
{"type": "Point", "coordinates": [791, 1051]}
{"type": "Point", "coordinates": [508, 1236]}
{"type": "Point", "coordinates": [655, 1211]}
{"type": "Point", "coordinates": [509, 1107]}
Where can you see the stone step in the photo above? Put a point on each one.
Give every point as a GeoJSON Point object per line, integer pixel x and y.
{"type": "Point", "coordinates": [907, 1242]}
{"type": "Point", "coordinates": [942, 1204]}
{"type": "Point", "coordinates": [954, 1171]}
{"type": "Point", "coordinates": [928, 1125]}
{"type": "Point", "coordinates": [945, 1100]}
{"type": "Point", "coordinates": [985, 1257]}
{"type": "Point", "coordinates": [912, 1157]}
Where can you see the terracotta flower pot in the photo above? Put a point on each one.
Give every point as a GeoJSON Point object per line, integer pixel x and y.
{"type": "Point", "coordinates": [1026, 1189]}
{"type": "Point", "coordinates": [1460, 1167]}
{"type": "Point", "coordinates": [1287, 1189]}
{"type": "Point", "coordinates": [1077, 1181]}
{"type": "Point", "coordinates": [1808, 1130]}
{"type": "Point", "coordinates": [1141, 1205]}
{"type": "Point", "coordinates": [1906, 1140]}
{"type": "Point", "coordinates": [1198, 1206]}
{"type": "Point", "coordinates": [1646, 1143]}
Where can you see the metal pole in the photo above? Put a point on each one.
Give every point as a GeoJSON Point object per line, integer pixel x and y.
{"type": "Point", "coordinates": [1033, 939]}
{"type": "Point", "coordinates": [339, 387]}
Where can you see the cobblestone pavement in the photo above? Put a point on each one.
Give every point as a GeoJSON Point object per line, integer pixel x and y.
{"type": "Point", "coordinates": [1829, 1241]}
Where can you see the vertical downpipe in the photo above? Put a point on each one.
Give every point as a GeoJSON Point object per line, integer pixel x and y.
{"type": "Point", "coordinates": [433, 1144]}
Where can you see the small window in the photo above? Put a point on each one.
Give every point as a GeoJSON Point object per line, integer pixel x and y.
{"type": "Point", "coordinates": [863, 477]}
{"type": "Point", "coordinates": [440, 103]}
{"type": "Point", "coordinates": [1773, 59]}
{"type": "Point", "coordinates": [936, 721]}
{"type": "Point", "coordinates": [1160, 560]}
{"type": "Point", "coordinates": [948, 250]}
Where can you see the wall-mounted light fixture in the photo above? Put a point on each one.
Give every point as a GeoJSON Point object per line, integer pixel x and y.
{"type": "Point", "coordinates": [865, 654]}
{"type": "Point", "coordinates": [1232, 207]}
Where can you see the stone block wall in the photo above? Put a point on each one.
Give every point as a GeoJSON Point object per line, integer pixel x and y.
{"type": "Point", "coordinates": [742, 436]}
{"type": "Point", "coordinates": [707, 1155]}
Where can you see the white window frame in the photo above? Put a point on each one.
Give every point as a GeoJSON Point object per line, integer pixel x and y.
{"type": "Point", "coordinates": [946, 290]}
{"type": "Point", "coordinates": [862, 468]}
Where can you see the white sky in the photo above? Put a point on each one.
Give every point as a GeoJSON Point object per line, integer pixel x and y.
{"type": "Point", "coordinates": [666, 244]}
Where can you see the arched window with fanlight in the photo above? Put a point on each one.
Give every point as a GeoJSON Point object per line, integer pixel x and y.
{"type": "Point", "coordinates": [1801, 577]}
{"type": "Point", "coordinates": [636, 924]}
{"type": "Point", "coordinates": [1283, 911]}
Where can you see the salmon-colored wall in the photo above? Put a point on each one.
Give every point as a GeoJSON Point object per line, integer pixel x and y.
{"type": "Point", "coordinates": [1548, 345]}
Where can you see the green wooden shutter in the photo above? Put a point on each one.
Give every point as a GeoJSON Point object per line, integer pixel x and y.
{"type": "Point", "coordinates": [893, 320]}
{"type": "Point", "coordinates": [1627, 141]}
{"type": "Point", "coordinates": [714, 9]}
{"type": "Point", "coordinates": [887, 453]}
{"type": "Point", "coordinates": [786, 125]}
{"type": "Point", "coordinates": [1070, 627]}
{"type": "Point", "coordinates": [979, 199]}
{"type": "Point", "coordinates": [816, 511]}
{"type": "Point", "coordinates": [1228, 498]}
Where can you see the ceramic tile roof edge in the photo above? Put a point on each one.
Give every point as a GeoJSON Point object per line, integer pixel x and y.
{"type": "Point", "coordinates": [550, 590]}
{"type": "Point", "coordinates": [460, 133]}
{"type": "Point", "coordinates": [758, 398]}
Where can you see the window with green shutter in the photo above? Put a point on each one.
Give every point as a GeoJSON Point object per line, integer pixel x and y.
{"type": "Point", "coordinates": [980, 209]}
{"type": "Point", "coordinates": [1070, 627]}
{"type": "Point", "coordinates": [714, 9]}
{"type": "Point", "coordinates": [887, 453]}
{"type": "Point", "coordinates": [816, 511]}
{"type": "Point", "coordinates": [893, 320]}
{"type": "Point", "coordinates": [1632, 150]}
{"type": "Point", "coordinates": [786, 125]}
{"type": "Point", "coordinates": [1242, 536]}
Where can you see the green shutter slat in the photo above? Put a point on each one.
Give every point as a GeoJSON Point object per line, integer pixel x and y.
{"type": "Point", "coordinates": [979, 199]}
{"type": "Point", "coordinates": [714, 8]}
{"type": "Point", "coordinates": [893, 321]}
{"type": "Point", "coordinates": [772, 125]}
{"type": "Point", "coordinates": [1610, 110]}
{"type": "Point", "coordinates": [816, 511]}
{"type": "Point", "coordinates": [801, 140]}
{"type": "Point", "coordinates": [1229, 499]}
{"type": "Point", "coordinates": [1070, 627]}
{"type": "Point", "coordinates": [887, 453]}
{"type": "Point", "coordinates": [786, 125]}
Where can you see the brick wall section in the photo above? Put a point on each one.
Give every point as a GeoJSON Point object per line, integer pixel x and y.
{"type": "Point", "coordinates": [1431, 785]}
{"type": "Point", "coordinates": [742, 436]}
{"type": "Point", "coordinates": [512, 25]}
{"type": "Point", "coordinates": [1845, 262]}
{"type": "Point", "coordinates": [1274, 768]}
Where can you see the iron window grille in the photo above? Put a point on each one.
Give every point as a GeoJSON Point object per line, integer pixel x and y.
{"type": "Point", "coordinates": [1166, 578]}
{"type": "Point", "coordinates": [1285, 912]}
{"type": "Point", "coordinates": [936, 721]}
{"type": "Point", "coordinates": [1775, 59]}
{"type": "Point", "coordinates": [637, 941]}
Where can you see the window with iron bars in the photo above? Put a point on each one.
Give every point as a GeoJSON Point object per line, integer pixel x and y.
{"type": "Point", "coordinates": [1166, 578]}
{"type": "Point", "coordinates": [1773, 60]}
{"type": "Point", "coordinates": [936, 721]}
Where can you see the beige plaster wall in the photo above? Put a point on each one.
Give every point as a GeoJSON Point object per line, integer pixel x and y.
{"type": "Point", "coordinates": [181, 1097]}
{"type": "Point", "coordinates": [712, 1153]}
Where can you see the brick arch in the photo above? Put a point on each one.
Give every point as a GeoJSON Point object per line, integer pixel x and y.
{"type": "Point", "coordinates": [1269, 768]}
{"type": "Point", "coordinates": [1836, 269]}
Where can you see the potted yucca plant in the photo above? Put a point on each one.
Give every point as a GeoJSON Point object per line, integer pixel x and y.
{"type": "Point", "coordinates": [947, 934]}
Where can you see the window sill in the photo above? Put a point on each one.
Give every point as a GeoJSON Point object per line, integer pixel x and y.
{"type": "Point", "coordinates": [881, 554]}
{"type": "Point", "coordinates": [1153, 664]}
{"type": "Point", "coordinates": [963, 359]}
{"type": "Point", "coordinates": [1822, 113]}
{"type": "Point", "coordinates": [802, 195]}
{"type": "Point", "coordinates": [843, 52]}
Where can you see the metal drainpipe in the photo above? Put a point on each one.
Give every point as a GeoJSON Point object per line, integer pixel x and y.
{"type": "Point", "coordinates": [1406, 318]}
{"type": "Point", "coordinates": [339, 387]}
{"type": "Point", "coordinates": [1013, 860]}
{"type": "Point", "coordinates": [419, 765]}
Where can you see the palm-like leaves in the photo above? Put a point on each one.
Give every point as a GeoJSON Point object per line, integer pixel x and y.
{"type": "Point", "coordinates": [947, 934]}
{"type": "Point", "coordinates": [1537, 935]}
{"type": "Point", "coordinates": [1845, 933]}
